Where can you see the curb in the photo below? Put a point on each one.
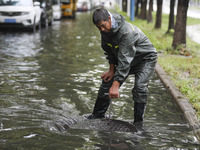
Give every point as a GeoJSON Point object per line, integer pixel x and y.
{"type": "Point", "coordinates": [180, 100]}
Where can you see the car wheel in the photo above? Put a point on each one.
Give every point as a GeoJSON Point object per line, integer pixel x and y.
{"type": "Point", "coordinates": [34, 26]}
{"type": "Point", "coordinates": [50, 23]}
{"type": "Point", "coordinates": [73, 14]}
{"type": "Point", "coordinates": [39, 25]}
{"type": "Point", "coordinates": [46, 22]}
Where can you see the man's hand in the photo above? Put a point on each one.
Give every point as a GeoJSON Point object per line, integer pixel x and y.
{"type": "Point", "coordinates": [107, 76]}
{"type": "Point", "coordinates": [114, 90]}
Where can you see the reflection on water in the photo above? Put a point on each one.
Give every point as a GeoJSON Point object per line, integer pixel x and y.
{"type": "Point", "coordinates": [53, 75]}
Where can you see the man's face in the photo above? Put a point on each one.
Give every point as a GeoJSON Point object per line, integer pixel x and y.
{"type": "Point", "coordinates": [104, 26]}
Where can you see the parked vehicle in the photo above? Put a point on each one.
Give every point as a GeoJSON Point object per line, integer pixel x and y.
{"type": "Point", "coordinates": [47, 12]}
{"type": "Point", "coordinates": [96, 4]}
{"type": "Point", "coordinates": [68, 8]}
{"type": "Point", "coordinates": [57, 12]}
{"type": "Point", "coordinates": [20, 13]}
{"type": "Point", "coordinates": [83, 5]}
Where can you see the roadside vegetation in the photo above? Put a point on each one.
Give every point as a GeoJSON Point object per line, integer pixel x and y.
{"type": "Point", "coordinates": [182, 64]}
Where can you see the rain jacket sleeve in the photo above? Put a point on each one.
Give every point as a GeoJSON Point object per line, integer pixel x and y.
{"type": "Point", "coordinates": [126, 54]}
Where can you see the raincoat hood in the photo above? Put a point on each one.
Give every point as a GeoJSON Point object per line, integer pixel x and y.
{"type": "Point", "coordinates": [117, 21]}
{"type": "Point", "coordinates": [120, 20]}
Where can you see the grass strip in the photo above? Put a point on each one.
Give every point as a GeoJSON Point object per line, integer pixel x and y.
{"type": "Point", "coordinates": [182, 64]}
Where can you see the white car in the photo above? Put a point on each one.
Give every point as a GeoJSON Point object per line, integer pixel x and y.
{"type": "Point", "coordinates": [57, 12]}
{"type": "Point", "coordinates": [20, 13]}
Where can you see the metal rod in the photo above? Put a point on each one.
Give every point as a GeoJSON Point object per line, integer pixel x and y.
{"type": "Point", "coordinates": [110, 110]}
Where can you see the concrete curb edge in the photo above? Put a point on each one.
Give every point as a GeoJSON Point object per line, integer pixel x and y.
{"type": "Point", "coordinates": [180, 100]}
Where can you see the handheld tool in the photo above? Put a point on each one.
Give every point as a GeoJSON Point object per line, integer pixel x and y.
{"type": "Point", "coordinates": [110, 109]}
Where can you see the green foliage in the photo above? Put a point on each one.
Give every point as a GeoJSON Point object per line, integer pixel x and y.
{"type": "Point", "coordinates": [185, 73]}
{"type": "Point", "coordinates": [192, 21]}
{"type": "Point", "coordinates": [171, 31]}
{"type": "Point", "coordinates": [180, 50]}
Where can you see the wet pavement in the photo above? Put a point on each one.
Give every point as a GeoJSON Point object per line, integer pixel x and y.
{"type": "Point", "coordinates": [193, 32]}
{"type": "Point", "coordinates": [53, 76]}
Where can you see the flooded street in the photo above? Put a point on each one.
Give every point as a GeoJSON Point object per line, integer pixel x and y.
{"type": "Point", "coordinates": [53, 76]}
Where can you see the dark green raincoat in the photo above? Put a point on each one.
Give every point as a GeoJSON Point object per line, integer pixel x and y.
{"type": "Point", "coordinates": [126, 46]}
{"type": "Point", "coordinates": [131, 51]}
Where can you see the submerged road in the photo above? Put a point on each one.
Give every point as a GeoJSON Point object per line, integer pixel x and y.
{"type": "Point", "coordinates": [51, 78]}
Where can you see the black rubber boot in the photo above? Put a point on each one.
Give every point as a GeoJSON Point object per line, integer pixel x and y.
{"type": "Point", "coordinates": [139, 109]}
{"type": "Point", "coordinates": [100, 108]}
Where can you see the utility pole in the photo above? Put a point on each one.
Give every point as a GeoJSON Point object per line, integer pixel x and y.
{"type": "Point", "coordinates": [128, 8]}
{"type": "Point", "coordinates": [132, 10]}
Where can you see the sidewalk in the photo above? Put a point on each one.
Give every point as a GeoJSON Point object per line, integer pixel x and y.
{"type": "Point", "coordinates": [193, 32]}
{"type": "Point", "coordinates": [180, 100]}
{"type": "Point", "coordinates": [194, 13]}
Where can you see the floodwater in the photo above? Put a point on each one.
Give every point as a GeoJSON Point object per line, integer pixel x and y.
{"type": "Point", "coordinates": [50, 79]}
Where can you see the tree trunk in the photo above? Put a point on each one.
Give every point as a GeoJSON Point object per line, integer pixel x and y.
{"type": "Point", "coordinates": [149, 17]}
{"type": "Point", "coordinates": [159, 14]}
{"type": "Point", "coordinates": [152, 5]}
{"type": "Point", "coordinates": [137, 8]}
{"type": "Point", "coordinates": [180, 27]}
{"type": "Point", "coordinates": [124, 5]}
{"type": "Point", "coordinates": [143, 12]}
{"type": "Point", "coordinates": [171, 15]}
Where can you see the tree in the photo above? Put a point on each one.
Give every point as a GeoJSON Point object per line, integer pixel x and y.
{"type": "Point", "coordinates": [171, 16]}
{"type": "Point", "coordinates": [143, 12]}
{"type": "Point", "coordinates": [124, 5]}
{"type": "Point", "coordinates": [180, 27]}
{"type": "Point", "coordinates": [149, 16]}
{"type": "Point", "coordinates": [137, 8]}
{"type": "Point", "coordinates": [159, 14]}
